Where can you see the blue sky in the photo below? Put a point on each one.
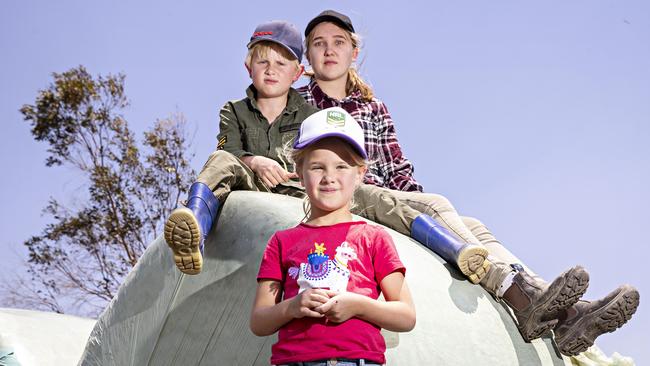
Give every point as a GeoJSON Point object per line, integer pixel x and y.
{"type": "Point", "coordinates": [532, 116]}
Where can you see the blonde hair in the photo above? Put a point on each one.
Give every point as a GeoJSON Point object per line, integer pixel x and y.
{"type": "Point", "coordinates": [298, 157]}
{"type": "Point", "coordinates": [355, 82]}
{"type": "Point", "coordinates": [261, 49]}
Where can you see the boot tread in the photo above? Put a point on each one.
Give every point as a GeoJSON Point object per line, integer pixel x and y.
{"type": "Point", "coordinates": [561, 294]}
{"type": "Point", "coordinates": [575, 286]}
{"type": "Point", "coordinates": [472, 261]}
{"type": "Point", "coordinates": [183, 236]}
{"type": "Point", "coordinates": [608, 318]}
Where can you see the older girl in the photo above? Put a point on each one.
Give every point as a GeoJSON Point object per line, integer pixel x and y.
{"type": "Point", "coordinates": [332, 47]}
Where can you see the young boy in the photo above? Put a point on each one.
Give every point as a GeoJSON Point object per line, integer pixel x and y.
{"type": "Point", "coordinates": [253, 131]}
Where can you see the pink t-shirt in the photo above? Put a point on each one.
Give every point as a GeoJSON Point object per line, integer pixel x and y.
{"type": "Point", "coordinates": [350, 256]}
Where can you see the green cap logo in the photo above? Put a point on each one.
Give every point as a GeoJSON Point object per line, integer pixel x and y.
{"type": "Point", "coordinates": [336, 118]}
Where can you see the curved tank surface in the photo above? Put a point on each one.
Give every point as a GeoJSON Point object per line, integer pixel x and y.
{"type": "Point", "coordinates": [162, 317]}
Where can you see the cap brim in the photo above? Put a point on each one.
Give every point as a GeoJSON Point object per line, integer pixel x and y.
{"type": "Point", "coordinates": [360, 149]}
{"type": "Point", "coordinates": [258, 40]}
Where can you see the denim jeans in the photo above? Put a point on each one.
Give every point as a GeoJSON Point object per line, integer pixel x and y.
{"type": "Point", "coordinates": [333, 362]}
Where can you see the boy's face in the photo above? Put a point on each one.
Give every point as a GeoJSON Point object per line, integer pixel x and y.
{"type": "Point", "coordinates": [273, 74]}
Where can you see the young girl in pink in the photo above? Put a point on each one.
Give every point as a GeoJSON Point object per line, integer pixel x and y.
{"type": "Point", "coordinates": [319, 282]}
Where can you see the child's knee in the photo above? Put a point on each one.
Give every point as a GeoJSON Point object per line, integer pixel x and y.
{"type": "Point", "coordinates": [439, 202]}
{"type": "Point", "coordinates": [221, 155]}
{"type": "Point", "coordinates": [471, 222]}
{"type": "Point", "coordinates": [219, 158]}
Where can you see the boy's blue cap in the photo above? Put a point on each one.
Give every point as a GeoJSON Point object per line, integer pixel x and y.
{"type": "Point", "coordinates": [280, 32]}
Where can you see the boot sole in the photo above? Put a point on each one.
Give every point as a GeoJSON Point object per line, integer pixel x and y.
{"type": "Point", "coordinates": [543, 317]}
{"type": "Point", "coordinates": [183, 236]}
{"type": "Point", "coordinates": [605, 320]}
{"type": "Point", "coordinates": [472, 261]}
{"type": "Point", "coordinates": [573, 289]}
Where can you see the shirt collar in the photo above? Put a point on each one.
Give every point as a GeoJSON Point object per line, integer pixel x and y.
{"type": "Point", "coordinates": [320, 96]}
{"type": "Point", "coordinates": [294, 99]}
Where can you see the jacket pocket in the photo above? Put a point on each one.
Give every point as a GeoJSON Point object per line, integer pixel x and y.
{"type": "Point", "coordinates": [291, 127]}
{"type": "Point", "coordinates": [252, 140]}
{"type": "Point", "coordinates": [288, 134]}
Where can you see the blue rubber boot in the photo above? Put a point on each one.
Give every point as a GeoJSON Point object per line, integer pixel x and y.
{"type": "Point", "coordinates": [187, 227]}
{"type": "Point", "coordinates": [471, 259]}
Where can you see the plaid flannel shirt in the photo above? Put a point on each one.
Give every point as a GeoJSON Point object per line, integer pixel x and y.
{"type": "Point", "coordinates": [388, 167]}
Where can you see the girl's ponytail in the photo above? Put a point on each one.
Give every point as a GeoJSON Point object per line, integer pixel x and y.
{"type": "Point", "coordinates": [356, 82]}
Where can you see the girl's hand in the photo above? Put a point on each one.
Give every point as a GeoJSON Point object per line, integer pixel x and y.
{"type": "Point", "coordinates": [269, 170]}
{"type": "Point", "coordinates": [302, 305]}
{"type": "Point", "coordinates": [341, 306]}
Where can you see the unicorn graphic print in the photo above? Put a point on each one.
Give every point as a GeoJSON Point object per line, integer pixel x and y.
{"type": "Point", "coordinates": [322, 272]}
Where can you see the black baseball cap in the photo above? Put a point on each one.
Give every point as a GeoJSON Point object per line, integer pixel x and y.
{"type": "Point", "coordinates": [283, 33]}
{"type": "Point", "coordinates": [333, 16]}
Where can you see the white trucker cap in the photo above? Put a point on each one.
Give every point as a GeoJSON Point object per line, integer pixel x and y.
{"type": "Point", "coordinates": [331, 122]}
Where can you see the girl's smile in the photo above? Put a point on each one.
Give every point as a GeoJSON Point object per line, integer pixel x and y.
{"type": "Point", "coordinates": [330, 179]}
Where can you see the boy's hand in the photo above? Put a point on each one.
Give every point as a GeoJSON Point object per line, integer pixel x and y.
{"type": "Point", "coordinates": [268, 170]}
{"type": "Point", "coordinates": [302, 304]}
{"type": "Point", "coordinates": [341, 306]}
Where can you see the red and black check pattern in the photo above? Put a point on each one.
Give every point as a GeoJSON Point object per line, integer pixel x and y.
{"type": "Point", "coordinates": [388, 167]}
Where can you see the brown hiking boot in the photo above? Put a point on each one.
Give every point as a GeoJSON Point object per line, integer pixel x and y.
{"type": "Point", "coordinates": [536, 304]}
{"type": "Point", "coordinates": [591, 319]}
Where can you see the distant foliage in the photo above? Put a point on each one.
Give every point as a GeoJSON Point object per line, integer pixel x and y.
{"type": "Point", "coordinates": [77, 262]}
